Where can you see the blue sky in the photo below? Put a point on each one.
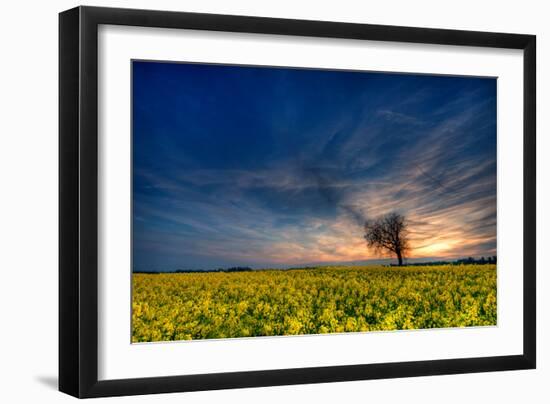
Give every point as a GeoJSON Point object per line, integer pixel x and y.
{"type": "Point", "coordinates": [271, 167]}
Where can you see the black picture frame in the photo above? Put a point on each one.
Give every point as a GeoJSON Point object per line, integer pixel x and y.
{"type": "Point", "coordinates": [78, 201]}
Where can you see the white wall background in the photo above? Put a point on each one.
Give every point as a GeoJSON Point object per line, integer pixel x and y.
{"type": "Point", "coordinates": [28, 206]}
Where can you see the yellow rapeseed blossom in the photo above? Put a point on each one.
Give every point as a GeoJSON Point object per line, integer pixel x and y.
{"type": "Point", "coordinates": [321, 300]}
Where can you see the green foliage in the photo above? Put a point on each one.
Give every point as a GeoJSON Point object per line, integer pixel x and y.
{"type": "Point", "coordinates": [311, 301]}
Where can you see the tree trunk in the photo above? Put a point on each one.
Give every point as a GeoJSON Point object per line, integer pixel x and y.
{"type": "Point", "coordinates": [399, 258]}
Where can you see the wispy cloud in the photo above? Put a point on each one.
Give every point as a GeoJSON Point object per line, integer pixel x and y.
{"type": "Point", "coordinates": [399, 117]}
{"type": "Point", "coordinates": [295, 183]}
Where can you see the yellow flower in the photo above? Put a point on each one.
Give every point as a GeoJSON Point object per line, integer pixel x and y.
{"type": "Point", "coordinates": [309, 301]}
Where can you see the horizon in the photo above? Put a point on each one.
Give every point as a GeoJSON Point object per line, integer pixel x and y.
{"type": "Point", "coordinates": [351, 264]}
{"type": "Point", "coordinates": [240, 166]}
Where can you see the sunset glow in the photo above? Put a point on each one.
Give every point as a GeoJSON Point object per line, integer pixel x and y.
{"type": "Point", "coordinates": [275, 167]}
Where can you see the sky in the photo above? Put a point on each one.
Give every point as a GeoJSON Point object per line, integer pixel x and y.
{"type": "Point", "coordinates": [279, 167]}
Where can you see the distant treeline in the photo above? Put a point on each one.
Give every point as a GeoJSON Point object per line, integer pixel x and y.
{"type": "Point", "coordinates": [180, 271]}
{"type": "Point", "coordinates": [232, 269]}
{"type": "Point", "coordinates": [461, 261]}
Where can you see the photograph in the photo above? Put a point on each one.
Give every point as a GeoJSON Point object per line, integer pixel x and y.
{"type": "Point", "coordinates": [281, 201]}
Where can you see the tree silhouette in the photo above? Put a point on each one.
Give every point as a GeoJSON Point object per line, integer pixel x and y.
{"type": "Point", "coordinates": [388, 233]}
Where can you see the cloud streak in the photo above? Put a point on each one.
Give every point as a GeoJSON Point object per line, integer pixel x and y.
{"type": "Point", "coordinates": [281, 167]}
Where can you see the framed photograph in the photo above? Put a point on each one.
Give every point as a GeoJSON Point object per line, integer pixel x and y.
{"type": "Point", "coordinates": [251, 201]}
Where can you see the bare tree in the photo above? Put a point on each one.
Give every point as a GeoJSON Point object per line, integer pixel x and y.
{"type": "Point", "coordinates": [388, 233]}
